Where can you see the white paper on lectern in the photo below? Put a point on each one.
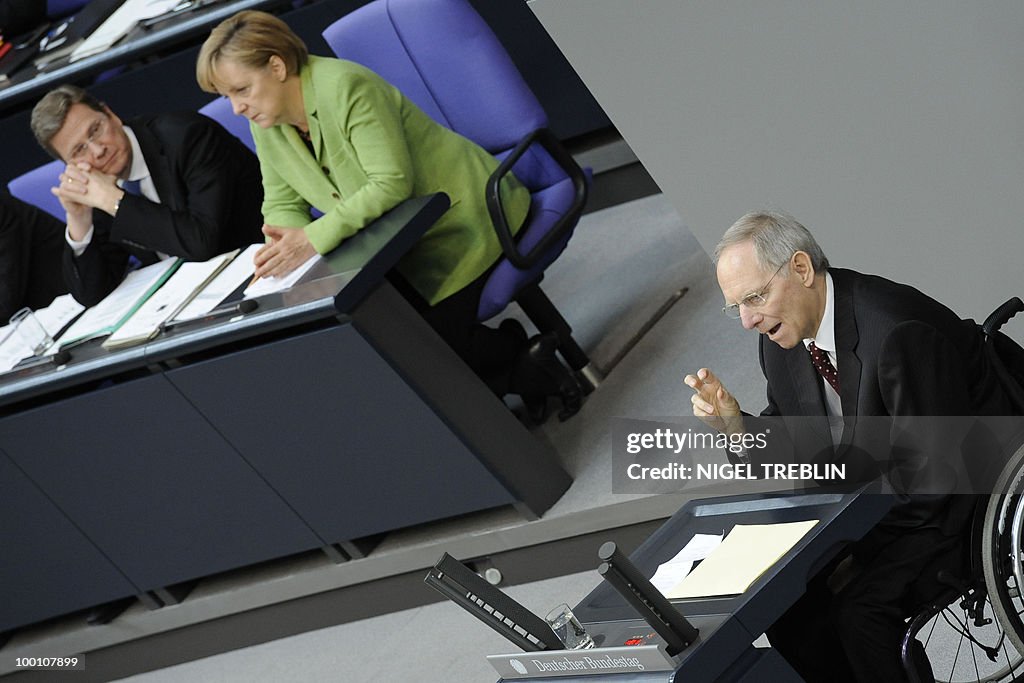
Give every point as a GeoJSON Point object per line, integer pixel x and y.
{"type": "Point", "coordinates": [12, 348]}
{"type": "Point", "coordinates": [179, 289]}
{"type": "Point", "coordinates": [238, 272]}
{"type": "Point", "coordinates": [59, 313]}
{"type": "Point", "coordinates": [670, 573]}
{"type": "Point", "coordinates": [119, 23]}
{"type": "Point", "coordinates": [747, 551]}
{"type": "Point", "coordinates": [269, 285]}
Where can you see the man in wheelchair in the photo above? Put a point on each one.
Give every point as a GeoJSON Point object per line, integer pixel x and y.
{"type": "Point", "coordinates": [850, 349]}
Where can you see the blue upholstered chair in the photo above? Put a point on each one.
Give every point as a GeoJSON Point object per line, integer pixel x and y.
{"type": "Point", "coordinates": [443, 56]}
{"type": "Point", "coordinates": [220, 111]}
{"type": "Point", "coordinates": [34, 188]}
{"type": "Point", "coordinates": [57, 9]}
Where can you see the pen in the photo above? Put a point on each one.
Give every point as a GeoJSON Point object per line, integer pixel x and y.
{"type": "Point", "coordinates": [228, 310]}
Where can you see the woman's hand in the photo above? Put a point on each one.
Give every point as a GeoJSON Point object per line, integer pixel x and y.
{"type": "Point", "coordinates": [288, 249]}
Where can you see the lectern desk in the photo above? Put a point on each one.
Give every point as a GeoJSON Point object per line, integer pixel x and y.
{"type": "Point", "coordinates": [331, 414]}
{"type": "Point", "coordinates": [728, 626]}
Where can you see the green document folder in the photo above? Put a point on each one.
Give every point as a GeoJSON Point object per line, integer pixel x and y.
{"type": "Point", "coordinates": [105, 317]}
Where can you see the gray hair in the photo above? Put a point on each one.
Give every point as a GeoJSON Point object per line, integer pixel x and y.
{"type": "Point", "coordinates": [776, 236]}
{"type": "Point", "coordinates": [50, 112]}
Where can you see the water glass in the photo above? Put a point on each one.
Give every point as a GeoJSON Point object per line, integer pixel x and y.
{"type": "Point", "coordinates": [27, 326]}
{"type": "Point", "coordinates": [569, 629]}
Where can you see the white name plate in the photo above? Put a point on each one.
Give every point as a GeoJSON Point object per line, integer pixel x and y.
{"type": "Point", "coordinates": [605, 660]}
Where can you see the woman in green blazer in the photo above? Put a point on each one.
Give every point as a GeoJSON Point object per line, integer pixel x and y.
{"type": "Point", "coordinates": [333, 135]}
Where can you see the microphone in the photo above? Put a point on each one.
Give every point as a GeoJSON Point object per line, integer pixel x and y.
{"type": "Point", "coordinates": [224, 311]}
{"type": "Point", "coordinates": [652, 606]}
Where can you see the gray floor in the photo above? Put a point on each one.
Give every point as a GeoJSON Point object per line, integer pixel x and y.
{"type": "Point", "coordinates": [623, 264]}
{"type": "Point", "coordinates": [434, 643]}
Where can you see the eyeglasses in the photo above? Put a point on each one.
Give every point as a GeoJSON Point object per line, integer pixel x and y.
{"type": "Point", "coordinates": [756, 300]}
{"type": "Point", "coordinates": [97, 130]}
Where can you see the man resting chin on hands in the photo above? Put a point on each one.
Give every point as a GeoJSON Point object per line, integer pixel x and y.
{"type": "Point", "coordinates": [159, 186]}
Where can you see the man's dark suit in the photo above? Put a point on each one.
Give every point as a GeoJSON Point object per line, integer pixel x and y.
{"type": "Point", "coordinates": [900, 354]}
{"type": "Point", "coordinates": [210, 202]}
{"type": "Point", "coordinates": [31, 244]}
{"type": "Point", "coordinates": [18, 16]}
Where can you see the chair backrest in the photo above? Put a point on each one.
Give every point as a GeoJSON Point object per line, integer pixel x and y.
{"type": "Point", "coordinates": [444, 57]}
{"type": "Point", "coordinates": [220, 111]}
{"type": "Point", "coordinates": [34, 188]}
{"type": "Point", "coordinates": [56, 9]}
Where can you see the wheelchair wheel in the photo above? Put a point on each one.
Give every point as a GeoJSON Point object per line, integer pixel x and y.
{"type": "Point", "coordinates": [964, 642]}
{"type": "Point", "coordinates": [1002, 550]}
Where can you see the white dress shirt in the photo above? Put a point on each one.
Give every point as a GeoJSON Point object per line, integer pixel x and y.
{"type": "Point", "coordinates": [825, 339]}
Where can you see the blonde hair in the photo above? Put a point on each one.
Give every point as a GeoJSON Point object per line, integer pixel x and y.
{"type": "Point", "coordinates": [250, 38]}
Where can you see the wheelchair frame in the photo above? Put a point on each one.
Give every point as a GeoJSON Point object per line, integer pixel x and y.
{"type": "Point", "coordinates": [996, 547]}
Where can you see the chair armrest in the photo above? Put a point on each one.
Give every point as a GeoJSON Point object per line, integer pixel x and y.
{"type": "Point", "coordinates": [566, 222]}
{"type": "Point", "coordinates": [1002, 314]}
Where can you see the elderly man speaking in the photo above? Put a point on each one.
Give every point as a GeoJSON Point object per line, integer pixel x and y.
{"type": "Point", "coordinates": [843, 346]}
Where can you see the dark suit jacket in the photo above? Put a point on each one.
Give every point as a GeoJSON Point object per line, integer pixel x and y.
{"type": "Point", "coordinates": [210, 193]}
{"type": "Point", "coordinates": [901, 354]}
{"type": "Point", "coordinates": [31, 244]}
{"type": "Point", "coordinates": [18, 16]}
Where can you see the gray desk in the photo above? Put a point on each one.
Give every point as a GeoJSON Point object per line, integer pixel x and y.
{"type": "Point", "coordinates": [330, 414]}
{"type": "Point", "coordinates": [29, 85]}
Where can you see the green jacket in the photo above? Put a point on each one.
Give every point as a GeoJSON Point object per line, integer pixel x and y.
{"type": "Point", "coordinates": [374, 149]}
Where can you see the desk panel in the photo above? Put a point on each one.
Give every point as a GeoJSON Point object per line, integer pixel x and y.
{"type": "Point", "coordinates": [152, 484]}
{"type": "Point", "coordinates": [327, 422]}
{"type": "Point", "coordinates": [41, 549]}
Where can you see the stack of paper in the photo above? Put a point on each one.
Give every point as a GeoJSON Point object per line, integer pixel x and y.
{"type": "Point", "coordinates": [109, 314]}
{"type": "Point", "coordinates": [174, 295]}
{"type": "Point", "coordinates": [670, 573]}
{"type": "Point", "coordinates": [748, 551]}
{"type": "Point", "coordinates": [53, 318]}
{"type": "Point", "coordinates": [148, 298]}
{"type": "Point", "coordinates": [269, 285]}
{"type": "Point", "coordinates": [62, 40]}
{"type": "Point", "coordinates": [221, 287]}
{"type": "Point", "coordinates": [119, 24]}
{"type": "Point", "coordinates": [59, 313]}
